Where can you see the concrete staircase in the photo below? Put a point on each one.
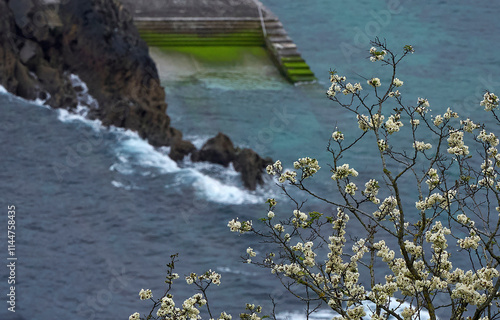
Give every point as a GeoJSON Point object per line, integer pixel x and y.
{"type": "Point", "coordinates": [238, 31]}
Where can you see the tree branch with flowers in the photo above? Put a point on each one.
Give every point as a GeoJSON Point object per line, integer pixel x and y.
{"type": "Point", "coordinates": [453, 164]}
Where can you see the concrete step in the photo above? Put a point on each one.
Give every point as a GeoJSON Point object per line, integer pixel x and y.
{"type": "Point", "coordinates": [298, 79]}
{"type": "Point", "coordinates": [284, 45]}
{"type": "Point", "coordinates": [276, 32]}
{"type": "Point", "coordinates": [299, 72]}
{"type": "Point", "coordinates": [288, 52]}
{"type": "Point", "coordinates": [278, 39]}
{"type": "Point", "coordinates": [295, 65]}
{"type": "Point", "coordinates": [273, 25]}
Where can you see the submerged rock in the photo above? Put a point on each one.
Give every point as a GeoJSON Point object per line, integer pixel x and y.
{"type": "Point", "coordinates": [42, 43]}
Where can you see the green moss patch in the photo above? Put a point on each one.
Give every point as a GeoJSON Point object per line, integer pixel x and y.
{"type": "Point", "coordinates": [217, 54]}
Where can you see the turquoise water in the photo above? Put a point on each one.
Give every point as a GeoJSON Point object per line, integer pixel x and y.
{"type": "Point", "coordinates": [120, 208]}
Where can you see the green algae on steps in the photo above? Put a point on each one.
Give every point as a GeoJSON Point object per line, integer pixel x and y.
{"type": "Point", "coordinates": [218, 54]}
{"type": "Point", "coordinates": [227, 48]}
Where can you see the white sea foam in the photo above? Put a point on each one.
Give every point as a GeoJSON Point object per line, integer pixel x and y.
{"type": "Point", "coordinates": [369, 308]}
{"type": "Point", "coordinates": [2, 89]}
{"type": "Point", "coordinates": [216, 191]}
{"type": "Point", "coordinates": [79, 115]}
{"type": "Point", "coordinates": [134, 151]}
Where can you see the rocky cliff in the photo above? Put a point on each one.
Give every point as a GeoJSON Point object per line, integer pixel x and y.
{"type": "Point", "coordinates": [43, 42]}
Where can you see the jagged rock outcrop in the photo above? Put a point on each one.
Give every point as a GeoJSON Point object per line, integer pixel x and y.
{"type": "Point", "coordinates": [220, 149]}
{"type": "Point", "coordinates": [44, 42]}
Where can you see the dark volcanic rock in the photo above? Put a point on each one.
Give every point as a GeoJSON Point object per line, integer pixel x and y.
{"type": "Point", "coordinates": [42, 44]}
{"type": "Point", "coordinates": [251, 166]}
{"type": "Point", "coordinates": [218, 149]}
{"type": "Point", "coordinates": [180, 149]}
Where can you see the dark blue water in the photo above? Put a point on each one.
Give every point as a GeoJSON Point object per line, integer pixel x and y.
{"type": "Point", "coordinates": [99, 211]}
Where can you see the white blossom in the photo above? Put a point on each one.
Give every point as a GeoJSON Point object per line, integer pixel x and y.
{"type": "Point", "coordinates": [374, 82]}
{"type": "Point", "coordinates": [397, 82]}
{"type": "Point", "coordinates": [490, 101]}
{"type": "Point", "coordinates": [145, 294]}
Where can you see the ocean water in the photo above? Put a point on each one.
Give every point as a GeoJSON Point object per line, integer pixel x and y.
{"type": "Point", "coordinates": [99, 211]}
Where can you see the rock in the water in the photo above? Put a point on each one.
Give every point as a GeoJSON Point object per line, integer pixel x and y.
{"type": "Point", "coordinates": [218, 149]}
{"type": "Point", "coordinates": [180, 149]}
{"type": "Point", "coordinates": [251, 166]}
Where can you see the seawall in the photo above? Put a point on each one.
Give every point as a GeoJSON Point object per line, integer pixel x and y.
{"type": "Point", "coordinates": [219, 23]}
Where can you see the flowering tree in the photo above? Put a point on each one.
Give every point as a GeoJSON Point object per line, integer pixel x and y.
{"type": "Point", "coordinates": [454, 209]}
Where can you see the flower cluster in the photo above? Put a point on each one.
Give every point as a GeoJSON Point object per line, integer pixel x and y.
{"type": "Point", "coordinates": [490, 138]}
{"type": "Point", "coordinates": [388, 207]}
{"type": "Point", "coordinates": [308, 254]}
{"type": "Point", "coordinates": [442, 200]}
{"type": "Point", "coordinates": [241, 227]}
{"type": "Point", "coordinates": [450, 114]}
{"type": "Point", "coordinates": [413, 249]}
{"type": "Point", "coordinates": [251, 316]}
{"type": "Point", "coordinates": [300, 218]}
{"type": "Point", "coordinates": [307, 165]}
{"type": "Point", "coordinates": [468, 125]}
{"type": "Point", "coordinates": [365, 123]}
{"type": "Point", "coordinates": [275, 168]}
{"type": "Point", "coordinates": [382, 145]}
{"type": "Point", "coordinates": [488, 172]}
{"type": "Point", "coordinates": [438, 120]}
{"type": "Point", "coordinates": [351, 188]}
{"type": "Point", "coordinates": [371, 191]}
{"type": "Point", "coordinates": [384, 252]}
{"type": "Point", "coordinates": [421, 146]}
{"type": "Point", "coordinates": [433, 180]}
{"type": "Point", "coordinates": [456, 144]}
{"type": "Point", "coordinates": [211, 276]}
{"type": "Point", "coordinates": [145, 294]}
{"type": "Point", "coordinates": [251, 254]}
{"type": "Point", "coordinates": [394, 94]}
{"type": "Point", "coordinates": [189, 308]}
{"type": "Point", "coordinates": [288, 175]}
{"type": "Point", "coordinates": [393, 124]}
{"type": "Point", "coordinates": [490, 101]}
{"type": "Point", "coordinates": [343, 171]}
{"type": "Point", "coordinates": [336, 81]}
{"type": "Point", "coordinates": [397, 82]}
{"type": "Point", "coordinates": [471, 242]}
{"type": "Point", "coordinates": [422, 106]}
{"type": "Point", "coordinates": [135, 316]}
{"type": "Point", "coordinates": [374, 82]}
{"type": "Point", "coordinates": [437, 236]}
{"type": "Point", "coordinates": [352, 88]}
{"type": "Point", "coordinates": [337, 136]}
{"type": "Point", "coordinates": [377, 55]}
{"type": "Point", "coordinates": [468, 284]}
